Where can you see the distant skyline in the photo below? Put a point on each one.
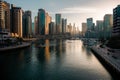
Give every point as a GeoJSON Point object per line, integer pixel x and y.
{"type": "Point", "coordinates": [76, 11]}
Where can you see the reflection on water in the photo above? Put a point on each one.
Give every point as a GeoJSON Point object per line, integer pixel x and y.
{"type": "Point", "coordinates": [47, 51]}
{"type": "Point", "coordinates": [66, 60]}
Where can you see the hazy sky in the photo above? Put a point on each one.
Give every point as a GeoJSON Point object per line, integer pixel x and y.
{"type": "Point", "coordinates": [76, 11]}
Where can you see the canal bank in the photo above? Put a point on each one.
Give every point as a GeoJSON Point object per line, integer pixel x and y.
{"type": "Point", "coordinates": [107, 61]}
{"type": "Point", "coordinates": [9, 48]}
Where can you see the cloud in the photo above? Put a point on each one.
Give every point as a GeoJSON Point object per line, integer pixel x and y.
{"type": "Point", "coordinates": [73, 10]}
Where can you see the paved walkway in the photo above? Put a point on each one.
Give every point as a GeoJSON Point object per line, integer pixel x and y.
{"type": "Point", "coordinates": [108, 56]}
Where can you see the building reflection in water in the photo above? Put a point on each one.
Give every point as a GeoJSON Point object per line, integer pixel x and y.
{"type": "Point", "coordinates": [44, 52]}
{"type": "Point", "coordinates": [59, 48]}
{"type": "Point", "coordinates": [21, 59]}
{"type": "Point", "coordinates": [52, 47]}
{"type": "Point", "coordinates": [47, 51]}
{"type": "Point", "coordinates": [86, 50]}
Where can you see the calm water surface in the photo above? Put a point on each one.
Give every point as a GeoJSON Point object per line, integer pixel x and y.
{"type": "Point", "coordinates": [59, 60]}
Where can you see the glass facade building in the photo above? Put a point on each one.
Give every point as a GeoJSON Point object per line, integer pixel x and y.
{"type": "Point", "coordinates": [51, 28]}
{"type": "Point", "coordinates": [90, 25]}
{"type": "Point", "coordinates": [64, 24]}
{"type": "Point", "coordinates": [27, 24]}
{"type": "Point", "coordinates": [41, 21]}
{"type": "Point", "coordinates": [116, 21]}
{"type": "Point", "coordinates": [108, 24]}
{"type": "Point", "coordinates": [58, 23]}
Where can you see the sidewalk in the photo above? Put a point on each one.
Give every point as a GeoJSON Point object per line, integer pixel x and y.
{"type": "Point", "coordinates": [108, 57]}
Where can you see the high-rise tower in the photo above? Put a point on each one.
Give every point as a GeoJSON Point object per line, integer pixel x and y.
{"type": "Point", "coordinates": [116, 21]}
{"type": "Point", "coordinates": [58, 23]}
{"type": "Point", "coordinates": [41, 21]}
{"type": "Point", "coordinates": [27, 24]}
{"type": "Point", "coordinates": [108, 24]}
{"type": "Point", "coordinates": [16, 20]}
{"type": "Point", "coordinates": [4, 15]}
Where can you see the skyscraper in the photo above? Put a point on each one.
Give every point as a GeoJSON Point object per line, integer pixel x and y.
{"type": "Point", "coordinates": [41, 21]}
{"type": "Point", "coordinates": [36, 25]}
{"type": "Point", "coordinates": [108, 24]}
{"type": "Point", "coordinates": [99, 25]}
{"type": "Point", "coordinates": [84, 28]}
{"type": "Point", "coordinates": [2, 22]}
{"type": "Point", "coordinates": [48, 20]}
{"type": "Point", "coordinates": [115, 39]}
{"type": "Point", "coordinates": [27, 24]}
{"type": "Point", "coordinates": [4, 15]}
{"type": "Point", "coordinates": [90, 25]}
{"type": "Point", "coordinates": [58, 22]}
{"type": "Point", "coordinates": [16, 20]}
{"type": "Point", "coordinates": [51, 28]}
{"type": "Point", "coordinates": [74, 29]}
{"type": "Point", "coordinates": [69, 29]}
{"type": "Point", "coordinates": [116, 21]}
{"type": "Point", "coordinates": [64, 24]}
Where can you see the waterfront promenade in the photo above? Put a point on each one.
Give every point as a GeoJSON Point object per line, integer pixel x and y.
{"type": "Point", "coordinates": [24, 44]}
{"type": "Point", "coordinates": [111, 58]}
